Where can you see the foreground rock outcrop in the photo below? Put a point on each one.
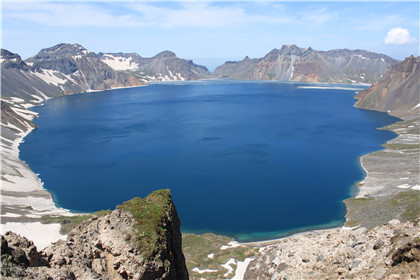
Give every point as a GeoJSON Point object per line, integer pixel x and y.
{"type": "Point", "coordinates": [391, 251]}
{"type": "Point", "coordinates": [141, 239]}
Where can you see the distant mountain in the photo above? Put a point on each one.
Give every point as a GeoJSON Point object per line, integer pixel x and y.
{"type": "Point", "coordinates": [75, 69]}
{"type": "Point", "coordinates": [17, 80]}
{"type": "Point", "coordinates": [397, 92]}
{"type": "Point", "coordinates": [291, 63]}
{"type": "Point", "coordinates": [59, 70]}
{"type": "Point", "coordinates": [165, 66]}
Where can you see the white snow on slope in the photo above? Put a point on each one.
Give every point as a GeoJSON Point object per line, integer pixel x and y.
{"type": "Point", "coordinates": [50, 76]}
{"type": "Point", "coordinates": [119, 62]}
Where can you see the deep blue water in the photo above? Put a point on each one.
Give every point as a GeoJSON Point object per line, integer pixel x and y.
{"type": "Point", "coordinates": [248, 159]}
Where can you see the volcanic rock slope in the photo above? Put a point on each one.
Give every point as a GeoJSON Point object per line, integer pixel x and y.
{"type": "Point", "coordinates": [291, 63]}
{"type": "Point", "coordinates": [397, 92]}
{"type": "Point", "coordinates": [141, 239]}
{"type": "Point", "coordinates": [375, 248]}
{"type": "Point", "coordinates": [165, 66]}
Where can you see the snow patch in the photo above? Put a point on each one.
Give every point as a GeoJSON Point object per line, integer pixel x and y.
{"type": "Point", "coordinates": [201, 271]}
{"type": "Point", "coordinates": [180, 77]}
{"type": "Point", "coordinates": [119, 62]}
{"type": "Point", "coordinates": [241, 268]}
{"type": "Point", "coordinates": [49, 76]}
{"type": "Point", "coordinates": [11, 215]}
{"type": "Point", "coordinates": [41, 234]}
{"type": "Point", "coordinates": [361, 56]}
{"type": "Point", "coordinates": [232, 244]}
{"type": "Point", "coordinates": [228, 266]}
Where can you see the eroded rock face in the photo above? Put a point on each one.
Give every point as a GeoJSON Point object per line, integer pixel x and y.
{"type": "Point", "coordinates": [291, 63]}
{"type": "Point", "coordinates": [390, 251]}
{"type": "Point", "coordinates": [114, 246]}
{"type": "Point", "coordinates": [397, 92]}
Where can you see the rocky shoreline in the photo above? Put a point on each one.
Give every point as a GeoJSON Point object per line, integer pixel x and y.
{"type": "Point", "coordinates": [22, 208]}
{"type": "Point", "coordinates": [24, 200]}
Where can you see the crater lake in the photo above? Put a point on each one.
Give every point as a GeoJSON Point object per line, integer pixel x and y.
{"type": "Point", "coordinates": [253, 160]}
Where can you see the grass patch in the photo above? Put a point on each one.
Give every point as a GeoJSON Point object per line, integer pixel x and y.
{"type": "Point", "coordinates": [371, 212]}
{"type": "Point", "coordinates": [69, 222]}
{"type": "Point", "coordinates": [410, 200]}
{"type": "Point", "coordinates": [149, 213]}
{"type": "Point", "coordinates": [196, 249]}
{"type": "Point", "coordinates": [399, 146]}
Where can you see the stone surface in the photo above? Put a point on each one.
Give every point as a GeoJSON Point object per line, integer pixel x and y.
{"type": "Point", "coordinates": [291, 63]}
{"type": "Point", "coordinates": [105, 247]}
{"type": "Point", "coordinates": [343, 253]}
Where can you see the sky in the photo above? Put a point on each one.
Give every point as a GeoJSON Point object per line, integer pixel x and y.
{"type": "Point", "coordinates": [211, 33]}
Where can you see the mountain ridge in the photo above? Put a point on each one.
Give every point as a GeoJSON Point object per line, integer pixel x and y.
{"type": "Point", "coordinates": [292, 63]}
{"type": "Point", "coordinates": [164, 66]}
{"type": "Point", "coordinates": [397, 92]}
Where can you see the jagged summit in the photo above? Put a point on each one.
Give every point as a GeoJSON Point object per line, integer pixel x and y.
{"type": "Point", "coordinates": [292, 63]}
{"type": "Point", "coordinates": [12, 60]}
{"type": "Point", "coordinates": [165, 55]}
{"type": "Point", "coordinates": [165, 66]}
{"type": "Point", "coordinates": [293, 50]}
{"type": "Point", "coordinates": [60, 51]}
{"type": "Point", "coordinates": [141, 239]}
{"type": "Point", "coordinates": [397, 92]}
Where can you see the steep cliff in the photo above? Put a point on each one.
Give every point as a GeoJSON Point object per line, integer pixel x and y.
{"type": "Point", "coordinates": [141, 239]}
{"type": "Point", "coordinates": [397, 92]}
{"type": "Point", "coordinates": [17, 80]}
{"type": "Point", "coordinates": [291, 63]}
{"type": "Point", "coordinates": [75, 69]}
{"type": "Point", "coordinates": [165, 66]}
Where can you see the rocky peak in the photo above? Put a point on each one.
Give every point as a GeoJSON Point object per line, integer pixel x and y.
{"type": "Point", "coordinates": [291, 50]}
{"type": "Point", "coordinates": [272, 55]}
{"type": "Point", "coordinates": [407, 66]}
{"type": "Point", "coordinates": [61, 51]}
{"type": "Point", "coordinates": [397, 92]}
{"type": "Point", "coordinates": [141, 239]}
{"type": "Point", "coordinates": [12, 60]}
{"type": "Point", "coordinates": [165, 55]}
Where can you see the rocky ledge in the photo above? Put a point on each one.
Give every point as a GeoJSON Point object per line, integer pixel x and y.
{"type": "Point", "coordinates": [391, 251]}
{"type": "Point", "coordinates": [141, 239]}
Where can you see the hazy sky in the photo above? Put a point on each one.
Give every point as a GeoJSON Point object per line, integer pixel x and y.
{"type": "Point", "coordinates": [211, 32]}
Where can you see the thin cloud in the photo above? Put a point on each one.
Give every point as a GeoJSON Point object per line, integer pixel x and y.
{"type": "Point", "coordinates": [63, 14]}
{"type": "Point", "coordinates": [198, 15]}
{"type": "Point", "coordinates": [399, 36]}
{"type": "Point", "coordinates": [319, 16]}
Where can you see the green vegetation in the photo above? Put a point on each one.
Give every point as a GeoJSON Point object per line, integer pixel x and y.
{"type": "Point", "coordinates": [359, 201]}
{"type": "Point", "coordinates": [400, 146]}
{"type": "Point", "coordinates": [410, 200]}
{"type": "Point", "coordinates": [196, 249]}
{"type": "Point", "coordinates": [149, 213]}
{"type": "Point", "coordinates": [69, 222]}
{"type": "Point", "coordinates": [371, 212]}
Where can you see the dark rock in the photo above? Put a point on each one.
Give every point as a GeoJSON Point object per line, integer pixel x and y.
{"type": "Point", "coordinates": [407, 253]}
{"type": "Point", "coordinates": [378, 245]}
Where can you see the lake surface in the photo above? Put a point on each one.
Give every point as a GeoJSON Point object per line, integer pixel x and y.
{"type": "Point", "coordinates": [254, 160]}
